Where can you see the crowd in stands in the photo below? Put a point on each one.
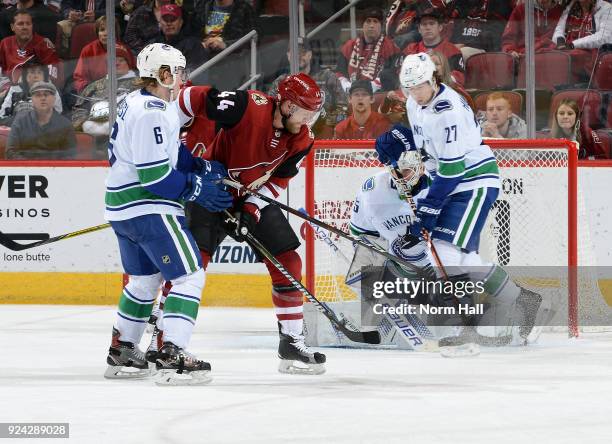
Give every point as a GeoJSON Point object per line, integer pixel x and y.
{"type": "Point", "coordinates": [53, 61]}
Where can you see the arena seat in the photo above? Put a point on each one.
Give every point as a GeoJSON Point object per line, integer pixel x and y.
{"type": "Point", "coordinates": [602, 77]}
{"type": "Point", "coordinates": [589, 101]}
{"type": "Point", "coordinates": [82, 34]}
{"type": "Point", "coordinates": [490, 70]}
{"type": "Point", "coordinates": [3, 142]}
{"type": "Point", "coordinates": [605, 135]}
{"type": "Point", "coordinates": [552, 68]}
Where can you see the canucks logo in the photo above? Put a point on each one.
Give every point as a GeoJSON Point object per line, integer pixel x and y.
{"type": "Point", "coordinates": [442, 105]}
{"type": "Point", "coordinates": [155, 104]}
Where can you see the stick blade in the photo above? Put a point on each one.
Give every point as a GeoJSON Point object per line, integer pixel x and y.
{"type": "Point", "coordinates": [367, 337]}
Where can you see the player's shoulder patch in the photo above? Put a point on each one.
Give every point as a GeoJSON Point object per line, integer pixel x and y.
{"type": "Point", "coordinates": [369, 184]}
{"type": "Point", "coordinates": [258, 98]}
{"type": "Point", "coordinates": [155, 104]}
{"type": "Point", "coordinates": [442, 105]}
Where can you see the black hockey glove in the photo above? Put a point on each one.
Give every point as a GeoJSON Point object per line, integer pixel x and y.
{"type": "Point", "coordinates": [247, 217]}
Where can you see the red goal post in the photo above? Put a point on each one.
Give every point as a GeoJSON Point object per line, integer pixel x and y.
{"type": "Point", "coordinates": [542, 160]}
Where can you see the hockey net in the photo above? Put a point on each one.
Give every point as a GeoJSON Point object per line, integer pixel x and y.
{"type": "Point", "coordinates": [532, 227]}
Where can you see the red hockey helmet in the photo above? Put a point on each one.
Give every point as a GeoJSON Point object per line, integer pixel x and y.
{"type": "Point", "coordinates": [302, 90]}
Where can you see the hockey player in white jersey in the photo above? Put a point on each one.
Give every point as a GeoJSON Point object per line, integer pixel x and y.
{"type": "Point", "coordinates": [151, 175]}
{"type": "Point", "coordinates": [464, 184]}
{"type": "Point", "coordinates": [381, 210]}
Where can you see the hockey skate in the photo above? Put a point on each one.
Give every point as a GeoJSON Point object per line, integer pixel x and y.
{"type": "Point", "coordinates": [125, 360]}
{"type": "Point", "coordinates": [296, 358]}
{"type": "Point", "coordinates": [177, 367]}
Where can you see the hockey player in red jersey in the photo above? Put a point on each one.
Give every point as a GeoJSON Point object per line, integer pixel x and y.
{"type": "Point", "coordinates": [261, 140]}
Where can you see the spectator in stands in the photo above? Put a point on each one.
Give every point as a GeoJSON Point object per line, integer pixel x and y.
{"type": "Point", "coordinates": [19, 98]}
{"type": "Point", "coordinates": [92, 64]}
{"type": "Point", "coordinates": [584, 26]}
{"type": "Point", "coordinates": [363, 123]}
{"type": "Point", "coordinates": [41, 133]}
{"type": "Point", "coordinates": [175, 32]}
{"type": "Point", "coordinates": [44, 19]}
{"type": "Point", "coordinates": [479, 25]}
{"type": "Point", "coordinates": [400, 23]}
{"type": "Point", "coordinates": [444, 71]}
{"type": "Point", "coordinates": [565, 126]}
{"type": "Point", "coordinates": [547, 14]}
{"type": "Point", "coordinates": [430, 24]}
{"type": "Point", "coordinates": [74, 12]}
{"type": "Point", "coordinates": [363, 58]}
{"type": "Point", "coordinates": [143, 24]}
{"type": "Point", "coordinates": [222, 22]}
{"type": "Point", "coordinates": [16, 49]}
{"type": "Point", "coordinates": [95, 123]}
{"type": "Point", "coordinates": [498, 121]}
{"type": "Point", "coordinates": [336, 103]}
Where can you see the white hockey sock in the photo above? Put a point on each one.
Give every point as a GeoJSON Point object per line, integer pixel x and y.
{"type": "Point", "coordinates": [135, 306]}
{"type": "Point", "coordinates": [181, 308]}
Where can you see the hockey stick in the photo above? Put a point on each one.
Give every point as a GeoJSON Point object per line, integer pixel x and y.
{"type": "Point", "coordinates": [369, 337]}
{"type": "Point", "coordinates": [420, 339]}
{"type": "Point", "coordinates": [9, 243]}
{"type": "Point", "coordinates": [328, 227]}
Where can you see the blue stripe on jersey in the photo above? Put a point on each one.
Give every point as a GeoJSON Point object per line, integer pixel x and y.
{"type": "Point", "coordinates": [451, 159]}
{"type": "Point", "coordinates": [363, 230]}
{"type": "Point", "coordinates": [486, 176]}
{"type": "Point", "coordinates": [149, 164]}
{"type": "Point", "coordinates": [186, 296]}
{"type": "Point", "coordinates": [168, 316]}
{"type": "Point", "coordinates": [145, 202]}
{"type": "Point", "coordinates": [138, 299]}
{"type": "Point", "coordinates": [122, 187]}
{"type": "Point", "coordinates": [471, 167]}
{"type": "Point", "coordinates": [131, 319]}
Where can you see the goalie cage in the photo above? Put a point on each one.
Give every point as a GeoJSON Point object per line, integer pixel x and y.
{"type": "Point", "coordinates": [538, 219]}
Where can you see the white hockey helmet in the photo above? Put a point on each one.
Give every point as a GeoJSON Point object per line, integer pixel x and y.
{"type": "Point", "coordinates": [416, 69]}
{"type": "Point", "coordinates": [154, 56]}
{"type": "Point", "coordinates": [409, 170]}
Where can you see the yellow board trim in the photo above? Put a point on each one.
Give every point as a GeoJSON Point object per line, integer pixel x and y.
{"type": "Point", "coordinates": [225, 290]}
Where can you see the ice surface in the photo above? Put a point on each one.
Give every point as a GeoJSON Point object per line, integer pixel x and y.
{"type": "Point", "coordinates": [53, 358]}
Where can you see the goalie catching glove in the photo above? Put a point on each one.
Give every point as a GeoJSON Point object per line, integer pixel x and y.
{"type": "Point", "coordinates": [206, 189]}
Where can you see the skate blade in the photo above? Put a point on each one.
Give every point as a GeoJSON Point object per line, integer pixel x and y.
{"type": "Point", "coordinates": [290, 367]}
{"type": "Point", "coordinates": [118, 372]}
{"type": "Point", "coordinates": [467, 350]}
{"type": "Point", "coordinates": [172, 378]}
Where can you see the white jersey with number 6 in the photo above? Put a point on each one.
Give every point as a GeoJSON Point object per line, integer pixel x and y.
{"type": "Point", "coordinates": [449, 138]}
{"type": "Point", "coordinates": [143, 149]}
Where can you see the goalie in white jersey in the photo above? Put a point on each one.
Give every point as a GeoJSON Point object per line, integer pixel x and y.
{"type": "Point", "coordinates": [464, 183]}
{"type": "Point", "coordinates": [151, 175]}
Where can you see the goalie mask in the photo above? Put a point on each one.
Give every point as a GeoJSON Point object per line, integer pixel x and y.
{"type": "Point", "coordinates": [408, 171]}
{"type": "Point", "coordinates": [157, 55]}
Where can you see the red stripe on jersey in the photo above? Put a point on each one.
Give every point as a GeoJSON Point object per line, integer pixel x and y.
{"type": "Point", "coordinates": [287, 300]}
{"type": "Point", "coordinates": [272, 189]}
{"type": "Point", "coordinates": [290, 317]}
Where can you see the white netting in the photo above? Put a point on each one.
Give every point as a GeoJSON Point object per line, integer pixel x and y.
{"type": "Point", "coordinates": [526, 232]}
